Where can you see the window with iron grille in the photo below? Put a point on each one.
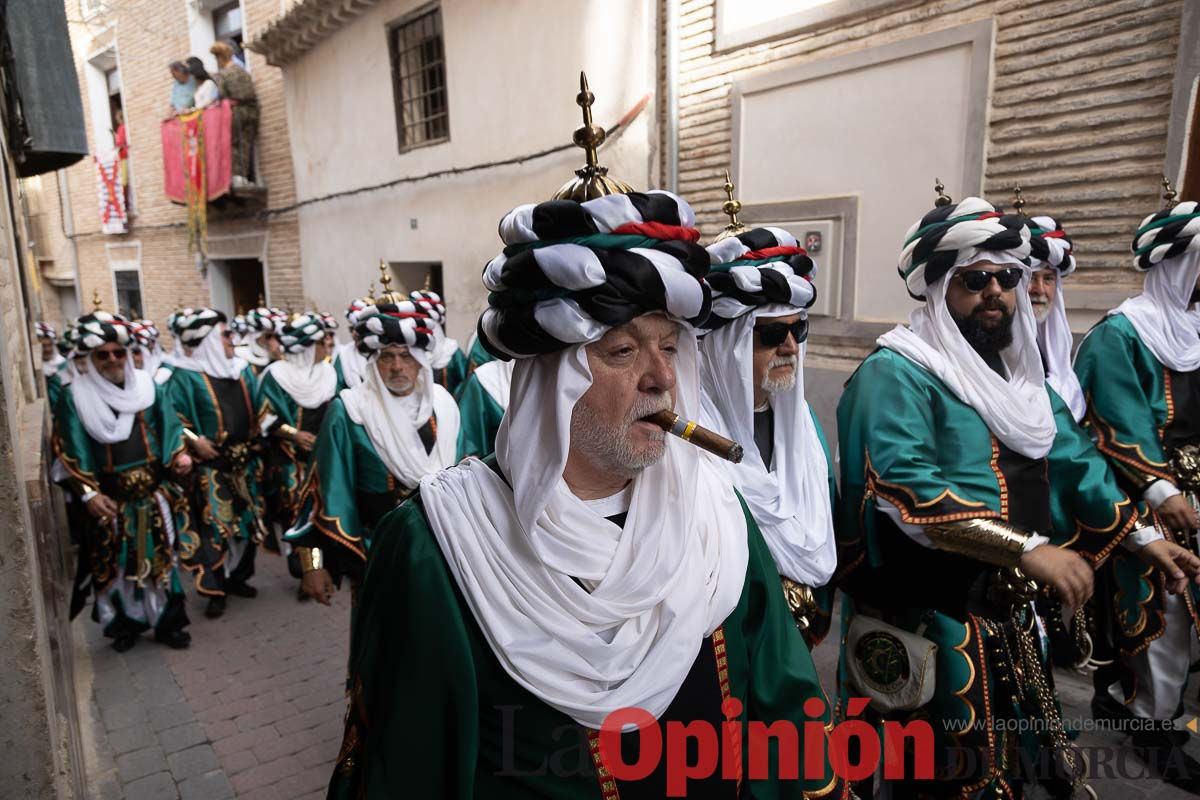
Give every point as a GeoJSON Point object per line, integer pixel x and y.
{"type": "Point", "coordinates": [419, 80]}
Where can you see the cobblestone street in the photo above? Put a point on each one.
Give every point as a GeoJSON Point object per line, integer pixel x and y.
{"type": "Point", "coordinates": [252, 710]}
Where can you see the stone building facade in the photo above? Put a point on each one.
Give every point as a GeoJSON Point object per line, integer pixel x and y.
{"type": "Point", "coordinates": [836, 117]}
{"type": "Point", "coordinates": [122, 51]}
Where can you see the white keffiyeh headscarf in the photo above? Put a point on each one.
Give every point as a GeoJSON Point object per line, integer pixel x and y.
{"type": "Point", "coordinates": [353, 364]}
{"type": "Point", "coordinates": [1160, 313]}
{"type": "Point", "coordinates": [208, 357]}
{"type": "Point", "coordinates": [107, 410]}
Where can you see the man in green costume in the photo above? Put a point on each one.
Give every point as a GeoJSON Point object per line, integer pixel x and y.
{"type": "Point", "coordinates": [53, 361]}
{"type": "Point", "coordinates": [1140, 372]}
{"type": "Point", "coordinates": [379, 439]}
{"type": "Point", "coordinates": [293, 396]}
{"type": "Point", "coordinates": [477, 354]}
{"type": "Point", "coordinates": [751, 368]}
{"type": "Point", "coordinates": [260, 345]}
{"type": "Point", "coordinates": [964, 478]}
{"type": "Point", "coordinates": [447, 360]}
{"type": "Point", "coordinates": [118, 440]}
{"type": "Point", "coordinates": [213, 393]}
{"type": "Point", "coordinates": [594, 565]}
{"type": "Point", "coordinates": [482, 399]}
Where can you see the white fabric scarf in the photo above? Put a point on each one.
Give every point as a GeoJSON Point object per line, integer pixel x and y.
{"type": "Point", "coordinates": [49, 368]}
{"type": "Point", "coordinates": [107, 410]}
{"type": "Point", "coordinates": [790, 504]}
{"type": "Point", "coordinates": [251, 351]}
{"type": "Point", "coordinates": [393, 423]}
{"type": "Point", "coordinates": [354, 364]}
{"type": "Point", "coordinates": [209, 357]}
{"type": "Point", "coordinates": [152, 358]}
{"type": "Point", "coordinates": [496, 379]}
{"type": "Point", "coordinates": [310, 385]}
{"type": "Point", "coordinates": [1054, 339]}
{"type": "Point", "coordinates": [444, 349]}
{"type": "Point", "coordinates": [1017, 409]}
{"type": "Point", "coordinates": [663, 582]}
{"type": "Point", "coordinates": [1160, 313]}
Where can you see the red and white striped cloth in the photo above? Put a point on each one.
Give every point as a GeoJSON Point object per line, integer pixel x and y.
{"type": "Point", "coordinates": [114, 218]}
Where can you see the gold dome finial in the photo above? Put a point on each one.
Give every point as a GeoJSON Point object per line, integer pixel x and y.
{"type": "Point", "coordinates": [386, 294]}
{"type": "Point", "coordinates": [591, 180]}
{"type": "Point", "coordinates": [371, 291]}
{"type": "Point", "coordinates": [96, 301]}
{"type": "Point", "coordinates": [731, 208]}
{"type": "Point", "coordinates": [1169, 193]}
{"type": "Point", "coordinates": [942, 198]}
{"type": "Point", "coordinates": [1018, 201]}
{"type": "Point", "coordinates": [262, 301]}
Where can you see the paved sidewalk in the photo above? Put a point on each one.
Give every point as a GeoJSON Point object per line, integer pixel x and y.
{"type": "Point", "coordinates": [252, 710]}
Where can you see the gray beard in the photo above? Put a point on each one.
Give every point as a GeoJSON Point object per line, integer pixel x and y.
{"type": "Point", "coordinates": [1041, 311]}
{"type": "Point", "coordinates": [612, 446]}
{"type": "Point", "coordinates": [776, 385]}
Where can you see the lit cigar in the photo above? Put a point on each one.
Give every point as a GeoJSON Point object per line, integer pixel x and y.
{"type": "Point", "coordinates": [703, 438]}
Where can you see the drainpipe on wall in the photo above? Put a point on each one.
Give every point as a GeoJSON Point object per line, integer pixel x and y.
{"type": "Point", "coordinates": [671, 101]}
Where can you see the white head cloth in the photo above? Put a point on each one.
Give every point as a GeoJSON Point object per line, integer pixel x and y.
{"type": "Point", "coordinates": [51, 367]}
{"type": "Point", "coordinates": [353, 363]}
{"type": "Point", "coordinates": [310, 385]}
{"type": "Point", "coordinates": [791, 502]}
{"type": "Point", "coordinates": [107, 410]}
{"type": "Point", "coordinates": [663, 582]}
{"type": "Point", "coordinates": [209, 357]}
{"type": "Point", "coordinates": [443, 349]}
{"type": "Point", "coordinates": [496, 379]}
{"type": "Point", "coordinates": [393, 423]}
{"type": "Point", "coordinates": [1160, 313]}
{"type": "Point", "coordinates": [152, 358]}
{"type": "Point", "coordinates": [1016, 410]}
{"type": "Point", "coordinates": [252, 351]}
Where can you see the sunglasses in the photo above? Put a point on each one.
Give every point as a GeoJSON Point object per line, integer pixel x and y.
{"type": "Point", "coordinates": [976, 280]}
{"type": "Point", "coordinates": [774, 334]}
{"type": "Point", "coordinates": [109, 355]}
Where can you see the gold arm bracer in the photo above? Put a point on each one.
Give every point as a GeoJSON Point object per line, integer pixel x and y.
{"type": "Point", "coordinates": [311, 558]}
{"type": "Point", "coordinates": [981, 539]}
{"type": "Point", "coordinates": [286, 432]}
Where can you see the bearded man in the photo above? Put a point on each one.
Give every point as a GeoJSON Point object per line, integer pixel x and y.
{"type": "Point", "coordinates": [753, 392]}
{"type": "Point", "coordinates": [964, 478]}
{"type": "Point", "coordinates": [1051, 261]}
{"type": "Point", "coordinates": [379, 440]}
{"type": "Point", "coordinates": [118, 439]}
{"type": "Point", "coordinates": [594, 565]}
{"type": "Point", "coordinates": [1140, 370]}
{"type": "Point", "coordinates": [213, 392]}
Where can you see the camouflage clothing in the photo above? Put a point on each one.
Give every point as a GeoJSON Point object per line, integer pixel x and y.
{"type": "Point", "coordinates": [236, 84]}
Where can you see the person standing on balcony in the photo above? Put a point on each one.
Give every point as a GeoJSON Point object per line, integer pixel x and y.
{"type": "Point", "coordinates": [183, 88]}
{"type": "Point", "coordinates": [206, 92]}
{"type": "Point", "coordinates": [236, 84]}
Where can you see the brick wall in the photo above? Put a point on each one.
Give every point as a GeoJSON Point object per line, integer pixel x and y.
{"type": "Point", "coordinates": [149, 34]}
{"type": "Point", "coordinates": [1079, 113]}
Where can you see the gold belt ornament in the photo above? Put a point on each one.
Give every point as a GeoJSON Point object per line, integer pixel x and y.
{"type": "Point", "coordinates": [237, 454]}
{"type": "Point", "coordinates": [136, 482]}
{"type": "Point", "coordinates": [801, 602]}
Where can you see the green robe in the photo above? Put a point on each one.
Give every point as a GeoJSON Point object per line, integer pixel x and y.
{"type": "Point", "coordinates": [1137, 408]}
{"type": "Point", "coordinates": [347, 492]}
{"type": "Point", "coordinates": [133, 474]}
{"type": "Point", "coordinates": [906, 438]}
{"type": "Point", "coordinates": [477, 356]}
{"type": "Point", "coordinates": [479, 417]}
{"type": "Point", "coordinates": [54, 387]}
{"type": "Point", "coordinates": [452, 375]}
{"type": "Point", "coordinates": [226, 493]}
{"type": "Point", "coordinates": [285, 464]}
{"type": "Point", "coordinates": [417, 654]}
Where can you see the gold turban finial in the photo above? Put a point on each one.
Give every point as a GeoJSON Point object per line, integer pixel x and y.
{"type": "Point", "coordinates": [96, 301]}
{"type": "Point", "coordinates": [370, 292]}
{"type": "Point", "coordinates": [386, 294]}
{"type": "Point", "coordinates": [731, 207]}
{"type": "Point", "coordinates": [1018, 201]}
{"type": "Point", "coordinates": [591, 180]}
{"type": "Point", "coordinates": [262, 301]}
{"type": "Point", "coordinates": [1169, 193]}
{"type": "Point", "coordinates": [943, 199]}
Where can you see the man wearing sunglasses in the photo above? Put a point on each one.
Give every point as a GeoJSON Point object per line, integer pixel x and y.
{"type": "Point", "coordinates": [119, 440]}
{"type": "Point", "coordinates": [1140, 368]}
{"type": "Point", "coordinates": [753, 393]}
{"type": "Point", "coordinates": [213, 395]}
{"type": "Point", "coordinates": [966, 486]}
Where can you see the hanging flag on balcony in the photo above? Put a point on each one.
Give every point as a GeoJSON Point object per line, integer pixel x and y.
{"type": "Point", "coordinates": [113, 216]}
{"type": "Point", "coordinates": [197, 163]}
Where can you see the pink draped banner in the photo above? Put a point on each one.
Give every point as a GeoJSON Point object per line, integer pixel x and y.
{"type": "Point", "coordinates": [181, 141]}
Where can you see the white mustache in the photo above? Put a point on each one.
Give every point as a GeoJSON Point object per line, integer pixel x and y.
{"type": "Point", "coordinates": [646, 405]}
{"type": "Point", "coordinates": [782, 361]}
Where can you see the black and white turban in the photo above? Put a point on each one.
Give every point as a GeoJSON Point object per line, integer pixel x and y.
{"type": "Point", "coordinates": [239, 325]}
{"type": "Point", "coordinates": [1049, 246]}
{"type": "Point", "coordinates": [46, 331]}
{"type": "Point", "coordinates": [145, 334]}
{"type": "Point", "coordinates": [178, 320]}
{"type": "Point", "coordinates": [1168, 233]}
{"type": "Point", "coordinates": [66, 343]}
{"type": "Point", "coordinates": [431, 303]}
{"type": "Point", "coordinates": [101, 328]}
{"type": "Point", "coordinates": [395, 323]}
{"type": "Point", "coordinates": [261, 320]}
{"type": "Point", "coordinates": [570, 270]}
{"type": "Point", "coordinates": [328, 321]}
{"type": "Point", "coordinates": [959, 233]}
{"type": "Point", "coordinates": [763, 266]}
{"type": "Point", "coordinates": [301, 332]}
{"type": "Point", "coordinates": [358, 309]}
{"type": "Point", "coordinates": [199, 324]}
